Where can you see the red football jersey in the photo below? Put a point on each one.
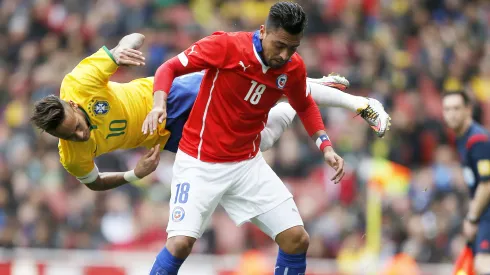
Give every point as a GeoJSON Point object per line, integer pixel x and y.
{"type": "Point", "coordinates": [236, 95]}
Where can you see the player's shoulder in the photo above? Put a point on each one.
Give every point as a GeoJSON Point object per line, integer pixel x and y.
{"type": "Point", "coordinates": [69, 91]}
{"type": "Point", "coordinates": [241, 35]}
{"type": "Point", "coordinates": [233, 37]}
{"type": "Point", "coordinates": [72, 89]}
{"type": "Point", "coordinates": [478, 136]}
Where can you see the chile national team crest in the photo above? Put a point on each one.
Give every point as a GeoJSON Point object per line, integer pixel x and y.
{"type": "Point", "coordinates": [281, 81]}
{"type": "Point", "coordinates": [100, 107]}
{"type": "Point", "coordinates": [178, 214]}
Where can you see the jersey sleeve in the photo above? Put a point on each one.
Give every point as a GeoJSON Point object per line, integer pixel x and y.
{"type": "Point", "coordinates": [299, 97]}
{"type": "Point", "coordinates": [480, 157]}
{"type": "Point", "coordinates": [209, 52]}
{"type": "Point", "coordinates": [95, 70]}
{"type": "Point", "coordinates": [78, 160]}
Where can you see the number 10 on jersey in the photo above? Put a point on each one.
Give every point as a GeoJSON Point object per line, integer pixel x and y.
{"type": "Point", "coordinates": [255, 93]}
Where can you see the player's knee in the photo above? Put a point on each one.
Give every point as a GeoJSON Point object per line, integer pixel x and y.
{"type": "Point", "coordinates": [180, 246]}
{"type": "Point", "coordinates": [266, 140]}
{"type": "Point", "coordinates": [294, 240]}
{"type": "Point", "coordinates": [482, 264]}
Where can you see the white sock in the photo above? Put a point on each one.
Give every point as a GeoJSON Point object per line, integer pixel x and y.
{"type": "Point", "coordinates": [280, 117]}
{"type": "Point", "coordinates": [325, 96]}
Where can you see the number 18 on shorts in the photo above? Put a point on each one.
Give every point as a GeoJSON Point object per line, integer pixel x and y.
{"type": "Point", "coordinates": [245, 189]}
{"type": "Point", "coordinates": [181, 197]}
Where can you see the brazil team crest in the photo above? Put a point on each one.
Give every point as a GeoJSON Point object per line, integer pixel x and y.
{"type": "Point", "coordinates": [178, 214]}
{"type": "Point", "coordinates": [281, 81]}
{"type": "Point", "coordinates": [100, 107]}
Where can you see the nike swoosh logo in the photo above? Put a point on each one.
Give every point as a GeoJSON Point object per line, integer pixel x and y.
{"type": "Point", "coordinates": [338, 86]}
{"type": "Point", "coordinates": [377, 127]}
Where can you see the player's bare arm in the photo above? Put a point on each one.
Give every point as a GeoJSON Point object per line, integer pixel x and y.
{"type": "Point", "coordinates": [310, 116]}
{"type": "Point", "coordinates": [145, 166]}
{"type": "Point", "coordinates": [126, 52]}
{"type": "Point", "coordinates": [157, 114]}
{"type": "Point", "coordinates": [477, 205]}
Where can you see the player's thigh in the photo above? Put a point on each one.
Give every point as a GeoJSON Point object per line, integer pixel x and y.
{"type": "Point", "coordinates": [256, 190]}
{"type": "Point", "coordinates": [195, 193]}
{"type": "Point", "coordinates": [279, 219]}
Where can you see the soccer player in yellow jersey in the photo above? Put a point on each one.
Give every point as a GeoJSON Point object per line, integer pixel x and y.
{"type": "Point", "coordinates": [94, 116]}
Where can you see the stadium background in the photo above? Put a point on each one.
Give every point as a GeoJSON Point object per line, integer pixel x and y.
{"type": "Point", "coordinates": [404, 53]}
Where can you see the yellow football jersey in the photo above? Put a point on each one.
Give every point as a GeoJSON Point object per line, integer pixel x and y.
{"type": "Point", "coordinates": [116, 112]}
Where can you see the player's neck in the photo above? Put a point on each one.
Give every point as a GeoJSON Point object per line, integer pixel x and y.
{"type": "Point", "coordinates": [261, 55]}
{"type": "Point", "coordinates": [464, 128]}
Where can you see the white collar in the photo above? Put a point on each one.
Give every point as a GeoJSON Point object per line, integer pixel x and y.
{"type": "Point", "coordinates": [265, 68]}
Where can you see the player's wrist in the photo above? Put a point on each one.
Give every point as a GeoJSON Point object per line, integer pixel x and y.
{"type": "Point", "coordinates": [323, 142]}
{"type": "Point", "coordinates": [131, 177]}
{"type": "Point", "coordinates": [472, 219]}
{"type": "Point", "coordinates": [160, 99]}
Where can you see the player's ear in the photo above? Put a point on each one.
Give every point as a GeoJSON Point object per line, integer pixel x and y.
{"type": "Point", "coordinates": [73, 104]}
{"type": "Point", "coordinates": [262, 32]}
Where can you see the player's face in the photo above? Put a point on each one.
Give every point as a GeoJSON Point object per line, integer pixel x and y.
{"type": "Point", "coordinates": [455, 112]}
{"type": "Point", "coordinates": [74, 126]}
{"type": "Point", "coordinates": [278, 46]}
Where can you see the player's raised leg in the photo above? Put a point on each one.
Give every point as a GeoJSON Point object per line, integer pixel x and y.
{"type": "Point", "coordinates": [261, 197]}
{"type": "Point", "coordinates": [195, 194]}
{"type": "Point", "coordinates": [280, 117]}
{"type": "Point", "coordinates": [328, 92]}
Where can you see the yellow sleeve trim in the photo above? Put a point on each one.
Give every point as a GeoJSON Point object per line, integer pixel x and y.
{"type": "Point", "coordinates": [108, 52]}
{"type": "Point", "coordinates": [483, 167]}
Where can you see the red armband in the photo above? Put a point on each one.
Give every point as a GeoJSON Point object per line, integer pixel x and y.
{"type": "Point", "coordinates": [322, 142]}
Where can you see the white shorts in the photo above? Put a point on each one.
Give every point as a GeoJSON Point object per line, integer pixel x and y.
{"type": "Point", "coordinates": [248, 190]}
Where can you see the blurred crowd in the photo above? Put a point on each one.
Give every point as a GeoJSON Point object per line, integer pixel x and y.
{"type": "Point", "coordinates": [405, 53]}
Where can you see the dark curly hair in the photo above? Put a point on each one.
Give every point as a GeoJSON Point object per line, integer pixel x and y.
{"type": "Point", "coordinates": [49, 113]}
{"type": "Point", "coordinates": [287, 15]}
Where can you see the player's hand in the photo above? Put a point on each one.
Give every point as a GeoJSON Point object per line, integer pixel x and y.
{"type": "Point", "coordinates": [128, 57]}
{"type": "Point", "coordinates": [155, 117]}
{"type": "Point", "coordinates": [336, 162]}
{"type": "Point", "coordinates": [148, 162]}
{"type": "Point", "coordinates": [469, 230]}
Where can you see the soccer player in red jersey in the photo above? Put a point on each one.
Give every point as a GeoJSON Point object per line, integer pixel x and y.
{"type": "Point", "coordinates": [219, 161]}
